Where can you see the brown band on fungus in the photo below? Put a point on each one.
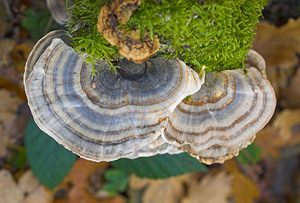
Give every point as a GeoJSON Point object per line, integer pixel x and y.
{"type": "Point", "coordinates": [130, 43]}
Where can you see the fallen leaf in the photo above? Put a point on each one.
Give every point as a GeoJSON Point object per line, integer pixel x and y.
{"type": "Point", "coordinates": [117, 199]}
{"type": "Point", "coordinates": [136, 188]}
{"type": "Point", "coordinates": [250, 155]}
{"type": "Point", "coordinates": [20, 54]}
{"type": "Point", "coordinates": [36, 22]}
{"type": "Point", "coordinates": [116, 181]}
{"type": "Point", "coordinates": [164, 191]}
{"type": "Point", "coordinates": [27, 190]}
{"type": "Point", "coordinates": [33, 191]}
{"type": "Point", "coordinates": [287, 123]}
{"type": "Point", "coordinates": [160, 166]}
{"type": "Point", "coordinates": [49, 161]}
{"type": "Point", "coordinates": [269, 141]}
{"type": "Point", "coordinates": [8, 132]}
{"type": "Point", "coordinates": [79, 178]}
{"type": "Point", "coordinates": [8, 103]}
{"type": "Point", "coordinates": [6, 47]}
{"type": "Point", "coordinates": [12, 86]}
{"type": "Point", "coordinates": [9, 190]}
{"type": "Point", "coordinates": [244, 190]}
{"type": "Point", "coordinates": [5, 141]}
{"type": "Point", "coordinates": [284, 132]}
{"type": "Point", "coordinates": [290, 96]}
{"type": "Point", "coordinates": [205, 190]}
{"type": "Point", "coordinates": [137, 183]}
{"type": "Point", "coordinates": [279, 46]}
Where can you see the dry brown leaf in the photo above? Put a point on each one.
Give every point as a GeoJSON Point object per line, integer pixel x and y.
{"type": "Point", "coordinates": [8, 103]}
{"type": "Point", "coordinates": [164, 191]}
{"type": "Point", "coordinates": [28, 190]}
{"type": "Point", "coordinates": [279, 47]}
{"type": "Point", "coordinates": [269, 141]}
{"type": "Point", "coordinates": [117, 199]}
{"type": "Point", "coordinates": [33, 191]}
{"type": "Point", "coordinates": [161, 191]}
{"type": "Point", "coordinates": [136, 187]}
{"type": "Point", "coordinates": [20, 54]}
{"type": "Point", "coordinates": [9, 190]}
{"type": "Point", "coordinates": [4, 142]}
{"type": "Point", "coordinates": [284, 132]}
{"type": "Point", "coordinates": [11, 86]}
{"type": "Point", "coordinates": [244, 190]}
{"type": "Point", "coordinates": [12, 61]}
{"type": "Point", "coordinates": [79, 178]}
{"type": "Point", "coordinates": [8, 108]}
{"type": "Point", "coordinates": [6, 47]}
{"type": "Point", "coordinates": [205, 190]}
{"type": "Point", "coordinates": [288, 125]}
{"type": "Point", "coordinates": [290, 96]}
{"type": "Point", "coordinates": [136, 183]}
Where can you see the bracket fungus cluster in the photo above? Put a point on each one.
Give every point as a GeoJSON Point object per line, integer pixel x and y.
{"type": "Point", "coordinates": [144, 108]}
{"type": "Point", "coordinates": [107, 116]}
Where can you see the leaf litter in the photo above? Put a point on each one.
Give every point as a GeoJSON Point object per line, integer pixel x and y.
{"type": "Point", "coordinates": [232, 182]}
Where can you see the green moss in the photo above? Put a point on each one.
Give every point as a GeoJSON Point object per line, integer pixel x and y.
{"type": "Point", "coordinates": [217, 33]}
{"type": "Point", "coordinates": [86, 39]}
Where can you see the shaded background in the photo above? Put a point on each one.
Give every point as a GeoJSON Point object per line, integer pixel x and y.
{"type": "Point", "coordinates": [266, 172]}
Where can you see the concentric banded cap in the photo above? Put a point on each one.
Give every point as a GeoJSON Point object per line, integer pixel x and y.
{"type": "Point", "coordinates": [224, 115]}
{"type": "Point", "coordinates": [107, 116]}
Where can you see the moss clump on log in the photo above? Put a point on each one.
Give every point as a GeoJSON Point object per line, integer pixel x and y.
{"type": "Point", "coordinates": [214, 33]}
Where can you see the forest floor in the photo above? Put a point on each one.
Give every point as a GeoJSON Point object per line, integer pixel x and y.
{"type": "Point", "coordinates": [266, 172]}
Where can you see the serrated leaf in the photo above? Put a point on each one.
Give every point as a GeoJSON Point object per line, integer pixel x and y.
{"type": "Point", "coordinates": [49, 161]}
{"type": "Point", "coordinates": [38, 23]}
{"type": "Point", "coordinates": [250, 155]}
{"type": "Point", "coordinates": [117, 181]}
{"type": "Point", "coordinates": [160, 166]}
